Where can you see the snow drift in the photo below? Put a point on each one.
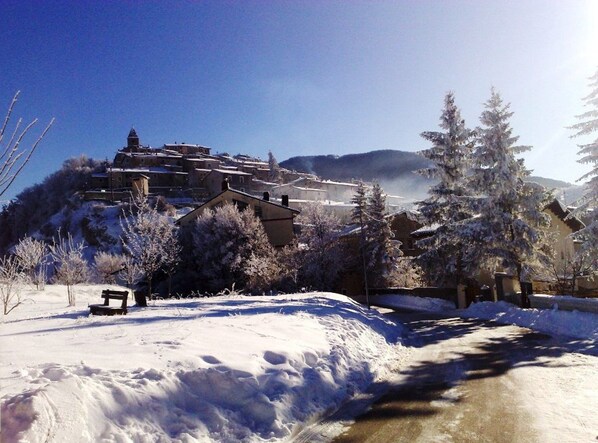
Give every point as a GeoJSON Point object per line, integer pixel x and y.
{"type": "Point", "coordinates": [221, 369]}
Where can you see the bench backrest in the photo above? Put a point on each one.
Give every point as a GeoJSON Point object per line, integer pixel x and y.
{"type": "Point", "coordinates": [108, 294]}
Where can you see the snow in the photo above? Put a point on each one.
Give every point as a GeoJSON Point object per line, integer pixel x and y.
{"type": "Point", "coordinates": [213, 369]}
{"type": "Point", "coordinates": [413, 303]}
{"type": "Point", "coordinates": [576, 324]}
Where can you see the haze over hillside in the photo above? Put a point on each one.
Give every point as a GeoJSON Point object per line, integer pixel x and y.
{"type": "Point", "coordinates": [394, 170]}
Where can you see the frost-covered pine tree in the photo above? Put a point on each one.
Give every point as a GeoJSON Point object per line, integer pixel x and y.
{"type": "Point", "coordinates": [447, 204]}
{"type": "Point", "coordinates": [359, 216]}
{"type": "Point", "coordinates": [589, 155]}
{"type": "Point", "coordinates": [509, 229]}
{"type": "Point", "coordinates": [381, 250]}
{"type": "Point", "coordinates": [360, 201]}
{"type": "Point", "coordinates": [275, 174]}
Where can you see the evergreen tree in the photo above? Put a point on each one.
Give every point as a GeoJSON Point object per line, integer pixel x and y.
{"type": "Point", "coordinates": [509, 228]}
{"type": "Point", "coordinates": [359, 215]}
{"type": "Point", "coordinates": [589, 155]}
{"type": "Point", "coordinates": [447, 205]}
{"type": "Point", "coordinates": [360, 201]}
{"type": "Point", "coordinates": [275, 174]}
{"type": "Point", "coordinates": [381, 249]}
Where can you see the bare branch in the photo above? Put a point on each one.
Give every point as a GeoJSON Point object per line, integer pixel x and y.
{"type": "Point", "coordinates": [13, 157]}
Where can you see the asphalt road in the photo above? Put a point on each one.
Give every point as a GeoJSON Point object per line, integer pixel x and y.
{"type": "Point", "coordinates": [458, 386]}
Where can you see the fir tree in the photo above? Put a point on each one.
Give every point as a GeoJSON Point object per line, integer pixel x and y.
{"type": "Point", "coordinates": [381, 249]}
{"type": "Point", "coordinates": [509, 228]}
{"type": "Point", "coordinates": [358, 215]}
{"type": "Point", "coordinates": [448, 202]}
{"type": "Point", "coordinates": [589, 155]}
{"type": "Point", "coordinates": [360, 201]}
{"type": "Point", "coordinates": [275, 174]}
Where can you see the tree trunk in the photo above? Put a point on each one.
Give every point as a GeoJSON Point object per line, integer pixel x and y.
{"type": "Point", "coordinates": [523, 285]}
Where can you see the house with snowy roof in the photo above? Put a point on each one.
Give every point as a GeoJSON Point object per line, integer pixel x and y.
{"type": "Point", "coordinates": [276, 218]}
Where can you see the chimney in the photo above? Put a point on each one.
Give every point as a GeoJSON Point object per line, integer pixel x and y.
{"type": "Point", "coordinates": [285, 200]}
{"type": "Point", "coordinates": [225, 186]}
{"type": "Point", "coordinates": [266, 196]}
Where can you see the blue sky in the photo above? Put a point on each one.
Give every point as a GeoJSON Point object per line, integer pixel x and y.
{"type": "Point", "coordinates": [297, 78]}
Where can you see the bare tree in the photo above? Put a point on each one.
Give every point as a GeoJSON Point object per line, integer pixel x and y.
{"type": "Point", "coordinates": [30, 255]}
{"type": "Point", "coordinates": [13, 155]}
{"type": "Point", "coordinates": [145, 233]}
{"type": "Point", "coordinates": [11, 283]}
{"type": "Point", "coordinates": [107, 266]}
{"type": "Point", "coordinates": [129, 271]}
{"type": "Point", "coordinates": [172, 254]}
{"type": "Point", "coordinates": [322, 254]}
{"type": "Point", "coordinates": [572, 267]}
{"type": "Point", "coordinates": [71, 267]}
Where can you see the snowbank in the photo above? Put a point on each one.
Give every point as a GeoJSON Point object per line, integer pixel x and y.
{"type": "Point", "coordinates": [413, 302]}
{"type": "Point", "coordinates": [221, 369]}
{"type": "Point", "coordinates": [568, 323]}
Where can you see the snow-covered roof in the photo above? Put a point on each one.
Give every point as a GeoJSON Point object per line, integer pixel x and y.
{"type": "Point", "coordinates": [233, 191]}
{"type": "Point", "coordinates": [176, 145]}
{"type": "Point", "coordinates": [409, 213]}
{"type": "Point", "coordinates": [425, 230]}
{"type": "Point", "coordinates": [231, 172]}
{"type": "Point", "coordinates": [148, 170]}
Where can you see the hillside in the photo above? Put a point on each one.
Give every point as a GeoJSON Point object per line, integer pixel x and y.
{"type": "Point", "coordinates": [394, 170]}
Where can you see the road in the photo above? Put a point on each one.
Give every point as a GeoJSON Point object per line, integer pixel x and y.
{"type": "Point", "coordinates": [475, 381]}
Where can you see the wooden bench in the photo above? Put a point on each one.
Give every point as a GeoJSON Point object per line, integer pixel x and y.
{"type": "Point", "coordinates": [105, 308]}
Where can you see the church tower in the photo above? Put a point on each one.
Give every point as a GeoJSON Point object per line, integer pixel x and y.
{"type": "Point", "coordinates": [132, 141]}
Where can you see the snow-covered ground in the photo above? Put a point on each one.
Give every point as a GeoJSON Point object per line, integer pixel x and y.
{"type": "Point", "coordinates": [555, 322]}
{"type": "Point", "coordinates": [428, 304]}
{"type": "Point", "coordinates": [577, 324]}
{"type": "Point", "coordinates": [244, 368]}
{"type": "Point", "coordinates": [221, 369]}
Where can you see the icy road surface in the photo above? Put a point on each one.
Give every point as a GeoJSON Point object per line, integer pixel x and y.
{"type": "Point", "coordinates": [475, 381]}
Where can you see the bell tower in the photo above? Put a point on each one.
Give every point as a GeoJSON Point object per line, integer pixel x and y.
{"type": "Point", "coordinates": [132, 141]}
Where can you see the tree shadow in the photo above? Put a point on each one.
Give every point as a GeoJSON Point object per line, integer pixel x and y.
{"type": "Point", "coordinates": [427, 382]}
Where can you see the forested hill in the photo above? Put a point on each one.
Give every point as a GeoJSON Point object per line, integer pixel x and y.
{"type": "Point", "coordinates": [395, 170]}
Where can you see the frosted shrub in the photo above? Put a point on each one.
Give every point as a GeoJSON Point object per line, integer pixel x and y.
{"type": "Point", "coordinates": [231, 247]}
{"type": "Point", "coordinates": [30, 255]}
{"type": "Point", "coordinates": [321, 253]}
{"type": "Point", "coordinates": [11, 283]}
{"type": "Point", "coordinates": [107, 266]}
{"type": "Point", "coordinates": [71, 267]}
{"type": "Point", "coordinates": [145, 236]}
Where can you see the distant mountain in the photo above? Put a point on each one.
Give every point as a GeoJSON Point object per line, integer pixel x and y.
{"type": "Point", "coordinates": [394, 170]}
{"type": "Point", "coordinates": [550, 183]}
